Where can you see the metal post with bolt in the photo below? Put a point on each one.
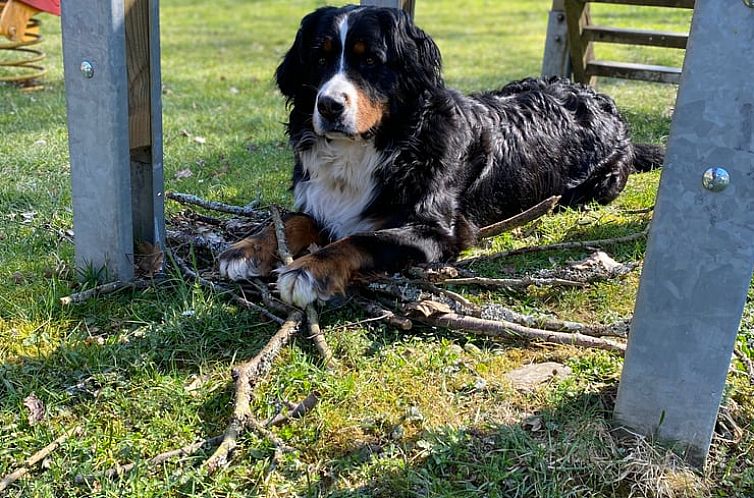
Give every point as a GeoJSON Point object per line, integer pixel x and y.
{"type": "Point", "coordinates": [700, 254]}
{"type": "Point", "coordinates": [112, 77]}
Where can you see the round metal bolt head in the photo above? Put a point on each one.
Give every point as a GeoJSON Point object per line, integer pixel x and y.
{"type": "Point", "coordinates": [87, 69]}
{"type": "Point", "coordinates": [715, 179]}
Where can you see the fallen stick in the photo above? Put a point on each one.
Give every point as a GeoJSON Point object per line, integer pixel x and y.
{"type": "Point", "coordinates": [193, 200]}
{"type": "Point", "coordinates": [508, 330]}
{"type": "Point", "coordinates": [35, 459]}
{"type": "Point", "coordinates": [187, 272]}
{"type": "Point", "coordinates": [616, 329]}
{"type": "Point", "coordinates": [246, 376]}
{"type": "Point", "coordinates": [214, 245]}
{"type": "Point", "coordinates": [522, 218]}
{"type": "Point", "coordinates": [379, 313]}
{"type": "Point", "coordinates": [577, 244]}
{"type": "Point", "coordinates": [121, 470]}
{"type": "Point", "coordinates": [296, 411]}
{"type": "Point", "coordinates": [312, 318]}
{"type": "Point", "coordinates": [513, 283]}
{"type": "Point", "coordinates": [108, 288]}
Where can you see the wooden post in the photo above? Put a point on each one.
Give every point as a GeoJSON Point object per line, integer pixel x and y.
{"type": "Point", "coordinates": [114, 120]}
{"type": "Point", "coordinates": [407, 5]}
{"type": "Point", "coordinates": [700, 254]}
{"type": "Point", "coordinates": [577, 17]}
{"type": "Point", "coordinates": [557, 58]}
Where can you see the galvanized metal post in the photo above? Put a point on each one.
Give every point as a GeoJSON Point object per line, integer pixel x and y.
{"type": "Point", "coordinates": [557, 58]}
{"type": "Point", "coordinates": [407, 5]}
{"type": "Point", "coordinates": [110, 202]}
{"type": "Point", "coordinates": [700, 254]}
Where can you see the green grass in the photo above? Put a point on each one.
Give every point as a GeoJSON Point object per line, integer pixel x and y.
{"type": "Point", "coordinates": [143, 372]}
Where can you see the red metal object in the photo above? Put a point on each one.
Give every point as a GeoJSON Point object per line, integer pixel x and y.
{"type": "Point", "coordinates": [51, 6]}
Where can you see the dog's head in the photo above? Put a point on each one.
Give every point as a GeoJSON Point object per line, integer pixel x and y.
{"type": "Point", "coordinates": [349, 67]}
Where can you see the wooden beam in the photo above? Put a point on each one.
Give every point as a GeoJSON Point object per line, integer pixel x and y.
{"type": "Point", "coordinates": [407, 5]}
{"type": "Point", "coordinates": [679, 4]}
{"type": "Point", "coordinates": [630, 71]}
{"type": "Point", "coordinates": [605, 34]}
{"type": "Point", "coordinates": [577, 17]}
{"type": "Point", "coordinates": [557, 58]}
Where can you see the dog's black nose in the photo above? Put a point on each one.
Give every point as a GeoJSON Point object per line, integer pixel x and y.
{"type": "Point", "coordinates": [329, 107]}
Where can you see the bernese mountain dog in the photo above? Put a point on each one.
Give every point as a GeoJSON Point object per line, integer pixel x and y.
{"type": "Point", "coordinates": [393, 168]}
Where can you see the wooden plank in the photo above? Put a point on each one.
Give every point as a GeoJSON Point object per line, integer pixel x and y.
{"type": "Point", "coordinates": [557, 58]}
{"type": "Point", "coordinates": [144, 109]}
{"type": "Point", "coordinates": [700, 253]}
{"type": "Point", "coordinates": [605, 34]}
{"type": "Point", "coordinates": [630, 71]}
{"type": "Point", "coordinates": [577, 16]}
{"type": "Point", "coordinates": [680, 4]}
{"type": "Point", "coordinates": [137, 63]}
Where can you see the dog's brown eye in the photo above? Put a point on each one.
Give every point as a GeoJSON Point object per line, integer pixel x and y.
{"type": "Point", "coordinates": [369, 61]}
{"type": "Point", "coordinates": [322, 61]}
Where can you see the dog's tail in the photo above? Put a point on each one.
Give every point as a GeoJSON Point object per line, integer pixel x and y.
{"type": "Point", "coordinates": [648, 157]}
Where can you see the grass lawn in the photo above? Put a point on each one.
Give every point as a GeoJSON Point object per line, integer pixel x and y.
{"type": "Point", "coordinates": [146, 371]}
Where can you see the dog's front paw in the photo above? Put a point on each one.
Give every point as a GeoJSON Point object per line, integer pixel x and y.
{"type": "Point", "coordinates": [311, 278]}
{"type": "Point", "coordinates": [251, 257]}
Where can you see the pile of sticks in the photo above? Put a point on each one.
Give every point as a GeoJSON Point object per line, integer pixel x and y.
{"type": "Point", "coordinates": [420, 296]}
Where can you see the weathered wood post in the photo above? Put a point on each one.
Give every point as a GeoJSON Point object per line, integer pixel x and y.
{"type": "Point", "coordinates": [700, 254]}
{"type": "Point", "coordinates": [407, 5]}
{"type": "Point", "coordinates": [112, 76]}
{"type": "Point", "coordinates": [557, 57]}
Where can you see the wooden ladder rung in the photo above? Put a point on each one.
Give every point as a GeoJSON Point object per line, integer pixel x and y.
{"type": "Point", "coordinates": [681, 4]}
{"type": "Point", "coordinates": [630, 71]}
{"type": "Point", "coordinates": [606, 34]}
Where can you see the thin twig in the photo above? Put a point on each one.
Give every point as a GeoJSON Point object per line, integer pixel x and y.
{"type": "Point", "coordinates": [379, 313]}
{"type": "Point", "coordinates": [35, 459]}
{"type": "Point", "coordinates": [246, 376]}
{"type": "Point", "coordinates": [190, 199]}
{"type": "Point", "coordinates": [312, 318]}
{"type": "Point", "coordinates": [520, 219]}
{"type": "Point", "coordinates": [577, 244]}
{"type": "Point", "coordinates": [513, 283]}
{"type": "Point", "coordinates": [296, 411]}
{"type": "Point", "coordinates": [318, 337]}
{"type": "Point", "coordinates": [121, 470]}
{"type": "Point", "coordinates": [108, 288]}
{"type": "Point", "coordinates": [508, 330]}
{"type": "Point", "coordinates": [187, 272]}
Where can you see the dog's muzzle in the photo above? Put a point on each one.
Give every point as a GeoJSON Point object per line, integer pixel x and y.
{"type": "Point", "coordinates": [335, 110]}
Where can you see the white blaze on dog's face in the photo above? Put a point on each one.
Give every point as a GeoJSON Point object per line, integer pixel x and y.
{"type": "Point", "coordinates": [343, 106]}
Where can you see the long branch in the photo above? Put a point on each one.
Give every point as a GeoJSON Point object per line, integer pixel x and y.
{"type": "Point", "coordinates": [504, 329]}
{"type": "Point", "coordinates": [312, 318]}
{"type": "Point", "coordinates": [520, 219]}
{"type": "Point", "coordinates": [194, 200]}
{"type": "Point", "coordinates": [577, 244]}
{"type": "Point", "coordinates": [246, 376]}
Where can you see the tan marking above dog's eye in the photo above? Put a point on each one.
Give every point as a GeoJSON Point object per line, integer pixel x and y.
{"type": "Point", "coordinates": [327, 45]}
{"type": "Point", "coordinates": [359, 48]}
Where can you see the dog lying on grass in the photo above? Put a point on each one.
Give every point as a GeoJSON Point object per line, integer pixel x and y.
{"type": "Point", "coordinates": [393, 168]}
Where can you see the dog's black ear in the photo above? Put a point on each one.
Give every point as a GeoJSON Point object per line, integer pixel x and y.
{"type": "Point", "coordinates": [430, 59]}
{"type": "Point", "coordinates": [415, 50]}
{"type": "Point", "coordinates": [291, 73]}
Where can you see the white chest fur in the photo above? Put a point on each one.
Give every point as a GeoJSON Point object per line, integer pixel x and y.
{"type": "Point", "coordinates": [340, 185]}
